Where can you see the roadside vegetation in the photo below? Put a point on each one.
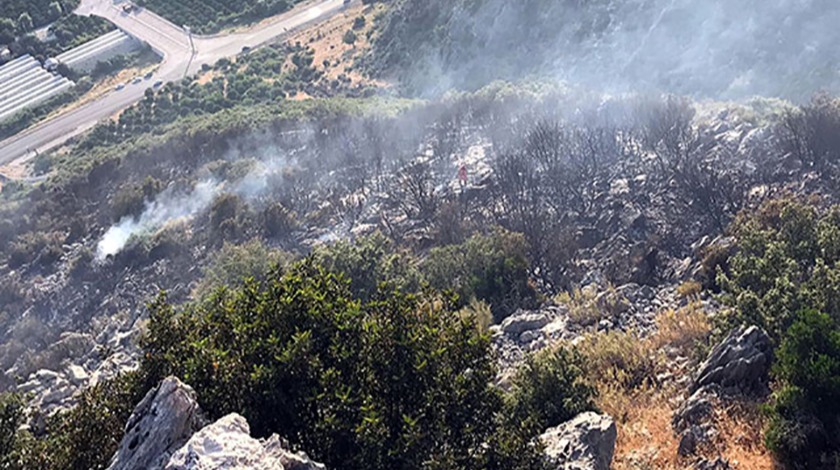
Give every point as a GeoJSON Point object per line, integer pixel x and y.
{"type": "Point", "coordinates": [207, 17]}
{"type": "Point", "coordinates": [19, 17]}
{"type": "Point", "coordinates": [69, 31]}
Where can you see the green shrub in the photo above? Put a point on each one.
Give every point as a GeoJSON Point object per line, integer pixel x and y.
{"type": "Point", "coordinates": [89, 434]}
{"type": "Point", "coordinates": [400, 382]}
{"type": "Point", "coordinates": [350, 37]}
{"type": "Point", "coordinates": [84, 437]}
{"type": "Point", "coordinates": [233, 264]}
{"type": "Point", "coordinates": [805, 412]}
{"type": "Point", "coordinates": [491, 268]}
{"type": "Point", "coordinates": [549, 389]}
{"type": "Point", "coordinates": [787, 261]}
{"type": "Point", "coordinates": [11, 418]}
{"type": "Point", "coordinates": [368, 263]}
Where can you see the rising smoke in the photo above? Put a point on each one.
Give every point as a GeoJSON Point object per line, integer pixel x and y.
{"type": "Point", "coordinates": [710, 48]}
{"type": "Point", "coordinates": [172, 205]}
{"type": "Point", "coordinates": [167, 207]}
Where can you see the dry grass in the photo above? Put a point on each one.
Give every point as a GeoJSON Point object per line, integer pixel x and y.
{"type": "Point", "coordinates": [645, 438]}
{"type": "Point", "coordinates": [327, 42]}
{"type": "Point", "coordinates": [647, 441]}
{"type": "Point", "coordinates": [619, 359]}
{"type": "Point", "coordinates": [581, 305]}
{"type": "Point", "coordinates": [741, 440]}
{"type": "Point", "coordinates": [689, 289]}
{"type": "Point", "coordinates": [681, 329]}
{"type": "Point", "coordinates": [624, 367]}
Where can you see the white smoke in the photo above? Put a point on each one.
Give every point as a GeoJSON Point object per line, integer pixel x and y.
{"type": "Point", "coordinates": [171, 205]}
{"type": "Point", "coordinates": [167, 207]}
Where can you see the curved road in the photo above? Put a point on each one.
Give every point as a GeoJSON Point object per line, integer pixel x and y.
{"type": "Point", "coordinates": [179, 59]}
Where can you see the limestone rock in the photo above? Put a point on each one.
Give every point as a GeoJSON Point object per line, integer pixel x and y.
{"type": "Point", "coordinates": [739, 364]}
{"type": "Point", "coordinates": [695, 410]}
{"type": "Point", "coordinates": [520, 322]}
{"type": "Point", "coordinates": [587, 442]}
{"type": "Point", "coordinates": [160, 424]}
{"type": "Point", "coordinates": [227, 444]}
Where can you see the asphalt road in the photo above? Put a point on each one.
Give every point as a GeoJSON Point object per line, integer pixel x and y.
{"type": "Point", "coordinates": [179, 59]}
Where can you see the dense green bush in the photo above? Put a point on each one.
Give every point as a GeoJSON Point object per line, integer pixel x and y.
{"type": "Point", "coordinates": [549, 389]}
{"type": "Point", "coordinates": [233, 264]}
{"type": "Point", "coordinates": [400, 382]}
{"type": "Point", "coordinates": [805, 412]}
{"type": "Point", "coordinates": [786, 261]}
{"type": "Point", "coordinates": [785, 277]}
{"type": "Point", "coordinates": [89, 434]}
{"type": "Point", "coordinates": [493, 268]}
{"type": "Point", "coordinates": [368, 264]}
{"type": "Point", "coordinates": [11, 418]}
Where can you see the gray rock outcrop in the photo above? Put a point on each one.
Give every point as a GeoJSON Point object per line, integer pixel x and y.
{"type": "Point", "coordinates": [227, 444]}
{"type": "Point", "coordinates": [161, 423]}
{"type": "Point", "coordinates": [587, 442]}
{"type": "Point", "coordinates": [739, 364]}
{"type": "Point", "coordinates": [520, 322]}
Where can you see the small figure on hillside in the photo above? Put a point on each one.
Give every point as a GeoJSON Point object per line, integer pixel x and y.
{"type": "Point", "coordinates": [462, 175]}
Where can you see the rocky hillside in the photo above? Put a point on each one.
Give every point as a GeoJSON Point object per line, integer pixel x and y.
{"type": "Point", "coordinates": [715, 49]}
{"type": "Point", "coordinates": [530, 275]}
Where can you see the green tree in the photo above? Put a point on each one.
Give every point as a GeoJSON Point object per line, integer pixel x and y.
{"type": "Point", "coordinates": [399, 382]}
{"type": "Point", "coordinates": [24, 23]}
{"type": "Point", "coordinates": [55, 11]}
{"type": "Point", "coordinates": [7, 30]}
{"type": "Point", "coordinates": [350, 37]}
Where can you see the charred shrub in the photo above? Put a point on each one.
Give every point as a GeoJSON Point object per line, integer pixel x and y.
{"type": "Point", "coordinates": [131, 198]}
{"type": "Point", "coordinates": [45, 248]}
{"type": "Point", "coordinates": [278, 221]}
{"type": "Point", "coordinates": [812, 133]}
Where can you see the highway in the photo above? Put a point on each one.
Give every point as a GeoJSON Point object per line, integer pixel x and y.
{"type": "Point", "coordinates": [180, 59]}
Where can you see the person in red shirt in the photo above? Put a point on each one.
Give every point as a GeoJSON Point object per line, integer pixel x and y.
{"type": "Point", "coordinates": [462, 175]}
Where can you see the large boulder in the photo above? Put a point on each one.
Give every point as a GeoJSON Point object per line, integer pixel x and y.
{"type": "Point", "coordinates": [739, 364]}
{"type": "Point", "coordinates": [161, 423]}
{"type": "Point", "coordinates": [587, 442]}
{"type": "Point", "coordinates": [522, 321]}
{"type": "Point", "coordinates": [227, 444]}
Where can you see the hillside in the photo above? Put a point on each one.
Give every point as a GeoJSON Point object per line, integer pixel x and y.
{"type": "Point", "coordinates": [714, 49]}
{"type": "Point", "coordinates": [377, 245]}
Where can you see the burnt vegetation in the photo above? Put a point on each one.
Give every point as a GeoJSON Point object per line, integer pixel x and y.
{"type": "Point", "coordinates": [368, 192]}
